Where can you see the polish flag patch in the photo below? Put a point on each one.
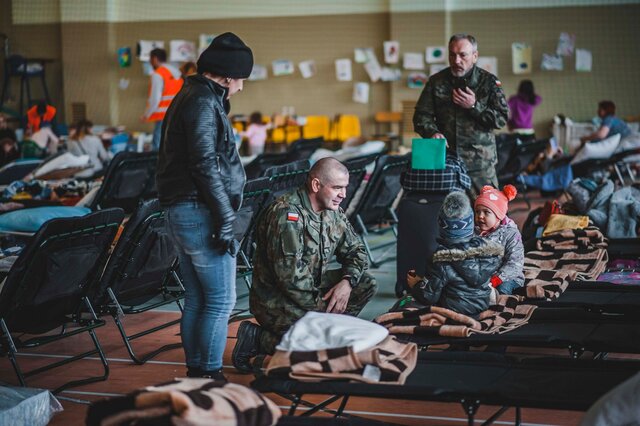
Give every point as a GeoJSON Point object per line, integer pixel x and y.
{"type": "Point", "coordinates": [498, 83]}
{"type": "Point", "coordinates": [293, 217]}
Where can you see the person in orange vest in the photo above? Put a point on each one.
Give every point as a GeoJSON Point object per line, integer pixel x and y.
{"type": "Point", "coordinates": [166, 82]}
{"type": "Point", "coordinates": [40, 115]}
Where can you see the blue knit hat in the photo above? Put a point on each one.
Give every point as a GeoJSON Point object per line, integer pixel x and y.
{"type": "Point", "coordinates": [456, 217]}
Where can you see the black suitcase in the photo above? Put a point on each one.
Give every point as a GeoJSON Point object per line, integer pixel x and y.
{"type": "Point", "coordinates": [417, 232]}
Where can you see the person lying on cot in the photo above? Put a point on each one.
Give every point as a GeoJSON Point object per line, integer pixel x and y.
{"type": "Point", "coordinates": [493, 223]}
{"type": "Point", "coordinates": [458, 276]}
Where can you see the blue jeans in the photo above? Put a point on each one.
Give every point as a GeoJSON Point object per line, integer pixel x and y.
{"type": "Point", "coordinates": [157, 134]}
{"type": "Point", "coordinates": [209, 280]}
{"type": "Point", "coordinates": [507, 287]}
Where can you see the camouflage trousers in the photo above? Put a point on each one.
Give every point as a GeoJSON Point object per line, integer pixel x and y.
{"type": "Point", "coordinates": [275, 322]}
{"type": "Point", "coordinates": [480, 178]}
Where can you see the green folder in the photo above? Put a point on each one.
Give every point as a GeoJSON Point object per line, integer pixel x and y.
{"type": "Point", "coordinates": [428, 154]}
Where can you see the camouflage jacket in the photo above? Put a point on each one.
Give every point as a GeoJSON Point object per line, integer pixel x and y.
{"type": "Point", "coordinates": [294, 246]}
{"type": "Point", "coordinates": [469, 132]}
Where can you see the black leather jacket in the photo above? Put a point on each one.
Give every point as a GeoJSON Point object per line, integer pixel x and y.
{"type": "Point", "coordinates": [198, 158]}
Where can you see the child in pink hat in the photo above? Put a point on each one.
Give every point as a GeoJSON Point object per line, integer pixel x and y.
{"type": "Point", "coordinates": [492, 223]}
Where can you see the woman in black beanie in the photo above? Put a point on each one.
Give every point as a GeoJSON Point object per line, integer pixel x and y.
{"type": "Point", "coordinates": [200, 181]}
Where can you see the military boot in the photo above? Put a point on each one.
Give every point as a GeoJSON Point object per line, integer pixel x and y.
{"type": "Point", "coordinates": [247, 346]}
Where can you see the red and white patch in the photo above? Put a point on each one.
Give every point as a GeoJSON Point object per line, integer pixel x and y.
{"type": "Point", "coordinates": [293, 217]}
{"type": "Point", "coordinates": [498, 83]}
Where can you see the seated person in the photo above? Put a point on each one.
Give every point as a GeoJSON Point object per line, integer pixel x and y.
{"type": "Point", "coordinates": [40, 115]}
{"type": "Point", "coordinates": [610, 125]}
{"type": "Point", "coordinates": [493, 224]}
{"type": "Point", "coordinates": [8, 143]}
{"type": "Point", "coordinates": [40, 144]}
{"type": "Point", "coordinates": [296, 239]}
{"type": "Point", "coordinates": [83, 142]}
{"type": "Point", "coordinates": [458, 275]}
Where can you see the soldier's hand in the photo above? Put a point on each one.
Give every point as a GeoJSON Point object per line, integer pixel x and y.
{"type": "Point", "coordinates": [440, 136]}
{"type": "Point", "coordinates": [338, 297]}
{"type": "Point", "coordinates": [413, 278]}
{"type": "Point", "coordinates": [464, 97]}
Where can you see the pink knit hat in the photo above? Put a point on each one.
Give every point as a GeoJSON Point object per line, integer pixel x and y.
{"type": "Point", "coordinates": [495, 200]}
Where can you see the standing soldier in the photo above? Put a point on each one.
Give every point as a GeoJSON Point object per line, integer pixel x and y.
{"type": "Point", "coordinates": [464, 104]}
{"type": "Point", "coordinates": [296, 238]}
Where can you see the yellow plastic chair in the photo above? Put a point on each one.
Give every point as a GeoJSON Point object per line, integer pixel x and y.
{"type": "Point", "coordinates": [317, 126]}
{"type": "Point", "coordinates": [345, 127]}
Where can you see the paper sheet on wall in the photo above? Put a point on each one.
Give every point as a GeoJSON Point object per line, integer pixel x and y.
{"type": "Point", "coordinates": [343, 69]}
{"type": "Point", "coordinates": [416, 80]}
{"type": "Point", "coordinates": [551, 62]}
{"type": "Point", "coordinates": [360, 55]}
{"type": "Point", "coordinates": [566, 44]}
{"type": "Point", "coordinates": [259, 72]}
{"type": "Point", "coordinates": [282, 67]}
{"type": "Point", "coordinates": [584, 60]}
{"type": "Point", "coordinates": [488, 63]}
{"type": "Point", "coordinates": [124, 57]}
{"type": "Point", "coordinates": [144, 47]}
{"type": "Point", "coordinates": [307, 68]}
{"type": "Point", "coordinates": [182, 51]}
{"type": "Point", "coordinates": [361, 92]}
{"type": "Point", "coordinates": [435, 54]}
{"type": "Point", "coordinates": [390, 74]}
{"type": "Point", "coordinates": [521, 58]}
{"type": "Point", "coordinates": [391, 51]}
{"type": "Point", "coordinates": [436, 68]}
{"type": "Point", "coordinates": [413, 61]}
{"type": "Point", "coordinates": [372, 66]}
{"type": "Point", "coordinates": [205, 40]}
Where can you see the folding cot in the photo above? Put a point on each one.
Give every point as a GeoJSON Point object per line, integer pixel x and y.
{"type": "Point", "coordinates": [357, 171]}
{"type": "Point", "coordinates": [375, 207]}
{"type": "Point", "coordinates": [49, 285]}
{"type": "Point", "coordinates": [286, 177]}
{"type": "Point", "coordinates": [618, 162]}
{"type": "Point", "coordinates": [573, 328]}
{"type": "Point", "coordinates": [302, 149]}
{"type": "Point", "coordinates": [141, 275]}
{"type": "Point", "coordinates": [473, 379]}
{"type": "Point", "coordinates": [129, 178]}
{"type": "Point", "coordinates": [17, 170]}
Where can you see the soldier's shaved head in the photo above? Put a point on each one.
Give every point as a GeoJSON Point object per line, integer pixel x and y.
{"type": "Point", "coordinates": [326, 170]}
{"type": "Point", "coordinates": [327, 184]}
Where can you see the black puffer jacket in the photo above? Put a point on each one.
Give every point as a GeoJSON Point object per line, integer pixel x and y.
{"type": "Point", "coordinates": [458, 276]}
{"type": "Point", "coordinates": [198, 157]}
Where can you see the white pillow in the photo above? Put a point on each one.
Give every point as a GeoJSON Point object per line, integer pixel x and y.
{"type": "Point", "coordinates": [597, 150]}
{"type": "Point", "coordinates": [319, 330]}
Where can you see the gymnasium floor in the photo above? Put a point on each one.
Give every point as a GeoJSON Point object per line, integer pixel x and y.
{"type": "Point", "coordinates": [126, 376]}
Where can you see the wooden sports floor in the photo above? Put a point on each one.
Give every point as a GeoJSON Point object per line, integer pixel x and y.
{"type": "Point", "coordinates": [125, 376]}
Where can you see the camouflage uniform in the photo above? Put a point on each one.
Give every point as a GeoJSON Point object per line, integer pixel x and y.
{"type": "Point", "coordinates": [290, 275]}
{"type": "Point", "coordinates": [469, 132]}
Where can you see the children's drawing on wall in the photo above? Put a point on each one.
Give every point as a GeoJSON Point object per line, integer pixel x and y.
{"type": "Point", "coordinates": [391, 51]}
{"type": "Point", "coordinates": [436, 54]}
{"type": "Point", "coordinates": [413, 61]}
{"type": "Point", "coordinates": [488, 63]}
{"type": "Point", "coordinates": [416, 80]}
{"type": "Point", "coordinates": [182, 51]}
{"type": "Point", "coordinates": [282, 67]}
{"type": "Point", "coordinates": [551, 62]}
{"type": "Point", "coordinates": [390, 74]}
{"type": "Point", "coordinates": [521, 58]}
{"type": "Point", "coordinates": [204, 41]}
{"type": "Point", "coordinates": [124, 57]}
{"type": "Point", "coordinates": [144, 47]}
{"type": "Point", "coordinates": [259, 72]}
{"type": "Point", "coordinates": [584, 60]}
{"type": "Point", "coordinates": [307, 68]}
{"type": "Point", "coordinates": [372, 66]}
{"type": "Point", "coordinates": [123, 84]}
{"type": "Point", "coordinates": [361, 92]}
{"type": "Point", "coordinates": [343, 69]}
{"type": "Point", "coordinates": [566, 44]}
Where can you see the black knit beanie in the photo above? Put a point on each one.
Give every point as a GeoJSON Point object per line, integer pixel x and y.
{"type": "Point", "coordinates": [226, 56]}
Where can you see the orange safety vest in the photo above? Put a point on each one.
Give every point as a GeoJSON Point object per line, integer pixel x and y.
{"type": "Point", "coordinates": [170, 88]}
{"type": "Point", "coordinates": [34, 121]}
